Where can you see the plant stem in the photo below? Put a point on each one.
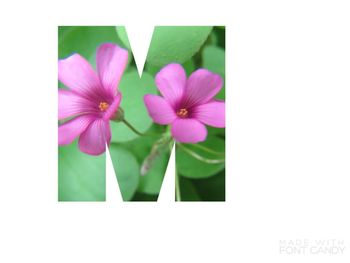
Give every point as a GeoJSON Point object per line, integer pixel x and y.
{"type": "Point", "coordinates": [199, 157]}
{"type": "Point", "coordinates": [177, 186]}
{"type": "Point", "coordinates": [132, 127]}
{"type": "Point", "coordinates": [202, 147]}
{"type": "Point", "coordinates": [136, 131]}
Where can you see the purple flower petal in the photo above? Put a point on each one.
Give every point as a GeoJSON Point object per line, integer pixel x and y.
{"type": "Point", "coordinates": [171, 81]}
{"type": "Point", "coordinates": [68, 131]}
{"type": "Point", "coordinates": [211, 113]}
{"type": "Point", "coordinates": [113, 108]}
{"type": "Point", "coordinates": [93, 140]}
{"type": "Point", "coordinates": [111, 61]}
{"type": "Point", "coordinates": [78, 75]}
{"type": "Point", "coordinates": [71, 104]}
{"type": "Point", "coordinates": [201, 87]}
{"type": "Point", "coordinates": [159, 109]}
{"type": "Point", "coordinates": [188, 131]}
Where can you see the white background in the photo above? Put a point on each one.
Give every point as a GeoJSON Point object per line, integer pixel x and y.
{"type": "Point", "coordinates": [288, 138]}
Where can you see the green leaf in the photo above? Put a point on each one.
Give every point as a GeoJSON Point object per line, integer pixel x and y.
{"type": "Point", "coordinates": [63, 30]}
{"type": "Point", "coordinates": [151, 182]}
{"type": "Point", "coordinates": [190, 167]}
{"type": "Point", "coordinates": [123, 36]}
{"type": "Point", "coordinates": [127, 170]}
{"type": "Point", "coordinates": [133, 90]}
{"type": "Point", "coordinates": [171, 43]}
{"type": "Point", "coordinates": [214, 60]}
{"type": "Point", "coordinates": [81, 177]}
{"type": "Point", "coordinates": [212, 188]}
{"type": "Point", "coordinates": [153, 70]}
{"type": "Point", "coordinates": [188, 66]}
{"type": "Point", "coordinates": [84, 40]}
{"type": "Point", "coordinates": [144, 197]}
{"type": "Point", "coordinates": [188, 190]}
{"type": "Point", "coordinates": [216, 131]}
{"type": "Point", "coordinates": [176, 43]}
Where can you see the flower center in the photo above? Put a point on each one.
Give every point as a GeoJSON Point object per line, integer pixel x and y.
{"type": "Point", "coordinates": [103, 106]}
{"type": "Point", "coordinates": [182, 113]}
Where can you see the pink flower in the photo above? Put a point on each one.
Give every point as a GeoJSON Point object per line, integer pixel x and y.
{"type": "Point", "coordinates": [92, 99]}
{"type": "Point", "coordinates": [187, 104]}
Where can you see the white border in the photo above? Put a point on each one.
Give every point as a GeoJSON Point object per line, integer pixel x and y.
{"type": "Point", "coordinates": [287, 138]}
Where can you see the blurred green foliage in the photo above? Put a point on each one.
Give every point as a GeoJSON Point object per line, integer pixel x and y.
{"type": "Point", "coordinates": [133, 89]}
{"type": "Point", "coordinates": [82, 177]}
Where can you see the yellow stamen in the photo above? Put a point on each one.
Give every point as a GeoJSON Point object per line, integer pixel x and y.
{"type": "Point", "coordinates": [183, 113]}
{"type": "Point", "coordinates": [103, 106]}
